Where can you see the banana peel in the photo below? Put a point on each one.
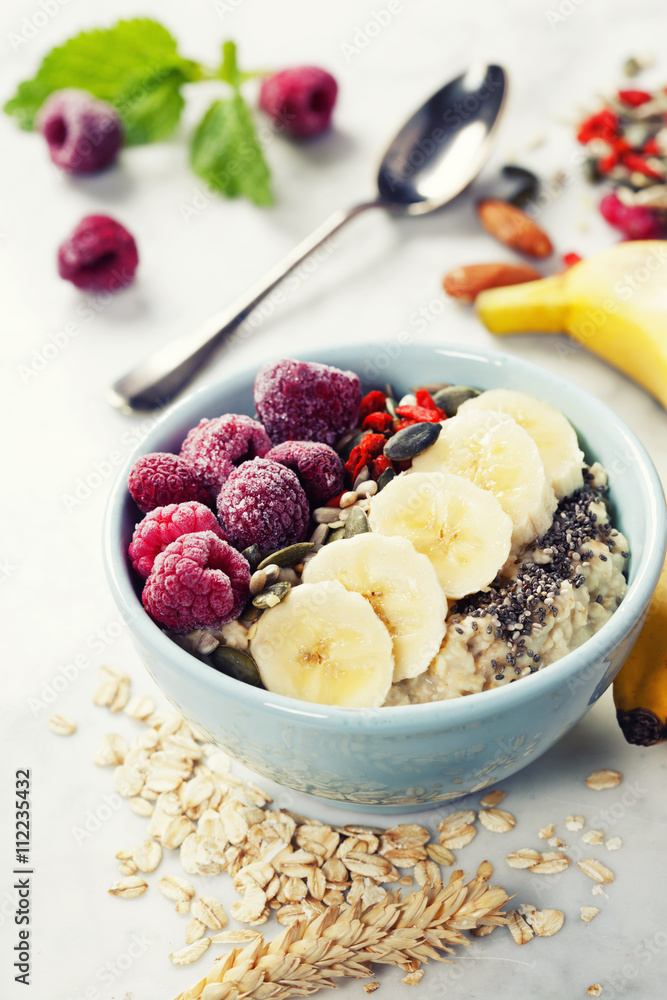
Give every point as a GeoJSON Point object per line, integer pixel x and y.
{"type": "Point", "coordinates": [640, 687]}
{"type": "Point", "coordinates": [614, 304]}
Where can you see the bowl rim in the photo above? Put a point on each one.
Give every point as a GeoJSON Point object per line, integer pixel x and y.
{"type": "Point", "coordinates": [436, 715]}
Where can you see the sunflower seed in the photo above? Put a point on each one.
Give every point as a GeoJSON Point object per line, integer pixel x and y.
{"type": "Point", "coordinates": [452, 396]}
{"type": "Point", "coordinates": [411, 441]}
{"type": "Point", "coordinates": [367, 489]}
{"type": "Point", "coordinates": [257, 582]}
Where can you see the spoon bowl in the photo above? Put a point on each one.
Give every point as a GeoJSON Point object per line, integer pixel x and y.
{"type": "Point", "coordinates": [436, 154]}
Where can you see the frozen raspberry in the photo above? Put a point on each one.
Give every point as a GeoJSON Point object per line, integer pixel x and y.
{"type": "Point", "coordinates": [262, 503]}
{"type": "Point", "coordinates": [318, 467]}
{"type": "Point", "coordinates": [99, 255]}
{"type": "Point", "coordinates": [83, 134]}
{"type": "Point", "coordinates": [304, 401]}
{"type": "Point", "coordinates": [635, 221]}
{"type": "Point", "coordinates": [198, 580]}
{"type": "Point", "coordinates": [300, 101]}
{"type": "Point", "coordinates": [163, 526]}
{"type": "Point", "coordinates": [160, 478]}
{"type": "Point", "coordinates": [215, 446]}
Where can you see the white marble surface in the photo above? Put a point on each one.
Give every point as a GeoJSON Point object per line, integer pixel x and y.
{"type": "Point", "coordinates": [383, 279]}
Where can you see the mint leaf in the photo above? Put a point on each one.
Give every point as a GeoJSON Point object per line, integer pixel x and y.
{"type": "Point", "coordinates": [229, 70]}
{"type": "Point", "coordinates": [134, 65]}
{"type": "Point", "coordinates": [226, 153]}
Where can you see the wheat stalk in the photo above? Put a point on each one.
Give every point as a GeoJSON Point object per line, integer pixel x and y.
{"type": "Point", "coordinates": [347, 940]}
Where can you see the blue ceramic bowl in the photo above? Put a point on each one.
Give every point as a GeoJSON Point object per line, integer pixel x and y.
{"type": "Point", "coordinates": [392, 759]}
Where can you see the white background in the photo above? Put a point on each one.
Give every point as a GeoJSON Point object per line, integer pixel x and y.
{"type": "Point", "coordinates": [59, 432]}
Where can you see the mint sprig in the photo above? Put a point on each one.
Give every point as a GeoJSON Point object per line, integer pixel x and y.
{"type": "Point", "coordinates": [135, 65]}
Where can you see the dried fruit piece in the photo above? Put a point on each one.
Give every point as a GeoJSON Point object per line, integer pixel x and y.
{"type": "Point", "coordinates": [513, 228]}
{"type": "Point", "coordinates": [465, 283]}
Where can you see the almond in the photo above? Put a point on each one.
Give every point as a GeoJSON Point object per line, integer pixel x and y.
{"type": "Point", "coordinates": [513, 228]}
{"type": "Point", "coordinates": [465, 283]}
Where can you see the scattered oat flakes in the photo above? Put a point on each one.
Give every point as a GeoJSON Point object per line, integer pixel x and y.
{"type": "Point", "coordinates": [127, 781]}
{"type": "Point", "coordinates": [194, 930]}
{"type": "Point", "coordinates": [147, 855]}
{"type": "Point", "coordinates": [595, 990]}
{"type": "Point", "coordinates": [526, 857]}
{"type": "Point", "coordinates": [589, 913]}
{"type": "Point", "coordinates": [460, 838]}
{"type": "Point", "coordinates": [427, 873]}
{"type": "Point", "coordinates": [599, 780]}
{"type": "Point", "coordinates": [371, 987]}
{"type": "Point", "coordinates": [546, 923]}
{"type": "Point", "coordinates": [128, 888]}
{"type": "Point", "coordinates": [61, 725]}
{"type": "Point", "coordinates": [113, 689]}
{"type": "Point", "coordinates": [441, 855]}
{"type": "Point", "coordinates": [491, 799]}
{"type": "Point", "coordinates": [111, 751]}
{"type": "Point", "coordinates": [518, 927]}
{"type": "Point", "coordinates": [575, 823]}
{"type": "Point", "coordinates": [593, 837]}
{"type": "Point", "coordinates": [176, 887]}
{"type": "Point", "coordinates": [456, 821]}
{"type": "Point", "coordinates": [235, 935]}
{"type": "Point", "coordinates": [191, 953]}
{"type": "Point", "coordinates": [413, 978]}
{"type": "Point", "coordinates": [128, 868]}
{"type": "Point", "coordinates": [483, 930]}
{"type": "Point", "coordinates": [557, 842]}
{"type": "Point", "coordinates": [140, 707]}
{"type": "Point", "coordinates": [183, 906]}
{"type": "Point", "coordinates": [142, 807]}
{"type": "Point", "coordinates": [596, 870]}
{"type": "Point", "coordinates": [552, 863]}
{"type": "Point", "coordinates": [597, 890]}
{"type": "Point", "coordinates": [497, 820]}
{"type": "Point", "coordinates": [526, 909]}
{"type": "Point", "coordinates": [546, 831]}
{"type": "Point", "coordinates": [613, 844]}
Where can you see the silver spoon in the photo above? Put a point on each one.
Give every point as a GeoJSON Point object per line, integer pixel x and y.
{"type": "Point", "coordinates": [433, 158]}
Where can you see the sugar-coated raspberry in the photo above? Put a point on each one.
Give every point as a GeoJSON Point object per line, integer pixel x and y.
{"type": "Point", "coordinates": [163, 526]}
{"type": "Point", "coordinates": [83, 134]}
{"type": "Point", "coordinates": [215, 446]}
{"type": "Point", "coordinates": [161, 478]}
{"type": "Point", "coordinates": [318, 467]}
{"type": "Point", "coordinates": [262, 503]}
{"type": "Point", "coordinates": [305, 401]}
{"type": "Point", "coordinates": [198, 580]}
{"type": "Point", "coordinates": [99, 255]}
{"type": "Point", "coordinates": [300, 101]}
{"type": "Point", "coordinates": [636, 222]}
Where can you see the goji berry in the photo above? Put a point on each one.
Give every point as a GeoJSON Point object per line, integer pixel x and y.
{"type": "Point", "coordinates": [651, 147]}
{"type": "Point", "coordinates": [355, 462]}
{"type": "Point", "coordinates": [377, 422]}
{"type": "Point", "coordinates": [633, 98]}
{"type": "Point", "coordinates": [369, 448]}
{"type": "Point", "coordinates": [373, 402]}
{"type": "Point", "coordinates": [425, 399]}
{"type": "Point", "coordinates": [633, 161]}
{"type": "Point", "coordinates": [420, 415]}
{"type": "Point", "coordinates": [608, 163]}
{"type": "Point", "coordinates": [569, 259]}
{"type": "Point", "coordinates": [402, 424]}
{"type": "Point", "coordinates": [603, 125]}
{"type": "Point", "coordinates": [373, 444]}
{"type": "Point", "coordinates": [380, 464]}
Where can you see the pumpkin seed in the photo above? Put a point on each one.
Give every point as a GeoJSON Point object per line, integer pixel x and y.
{"type": "Point", "coordinates": [344, 449]}
{"type": "Point", "coordinates": [253, 555]}
{"type": "Point", "coordinates": [272, 595]}
{"type": "Point", "coordinates": [236, 663]}
{"type": "Point", "coordinates": [335, 535]}
{"type": "Point", "coordinates": [250, 614]}
{"type": "Point", "coordinates": [356, 523]}
{"type": "Point", "coordinates": [287, 556]}
{"type": "Point", "coordinates": [528, 184]}
{"type": "Point", "coordinates": [385, 477]}
{"type": "Point", "coordinates": [450, 399]}
{"type": "Point", "coordinates": [411, 441]}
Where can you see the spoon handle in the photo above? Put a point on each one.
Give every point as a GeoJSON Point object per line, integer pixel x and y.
{"type": "Point", "coordinates": [159, 377]}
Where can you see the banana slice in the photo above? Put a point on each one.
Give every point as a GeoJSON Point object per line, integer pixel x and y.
{"type": "Point", "coordinates": [461, 528]}
{"type": "Point", "coordinates": [491, 450]}
{"type": "Point", "coordinates": [554, 435]}
{"type": "Point", "coordinates": [324, 644]}
{"type": "Point", "coordinates": [402, 588]}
